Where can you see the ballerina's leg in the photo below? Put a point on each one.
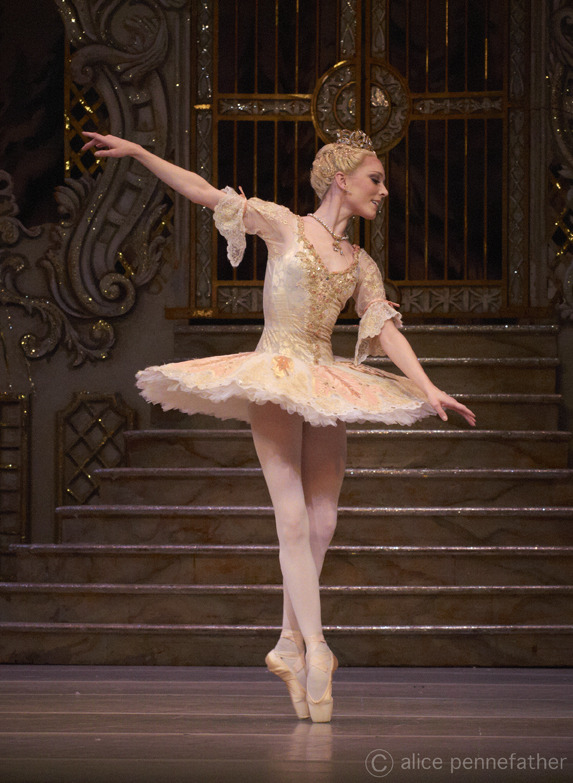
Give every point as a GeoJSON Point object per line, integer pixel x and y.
{"type": "Point", "coordinates": [304, 480]}
{"type": "Point", "coordinates": [278, 438]}
{"type": "Point", "coordinates": [323, 463]}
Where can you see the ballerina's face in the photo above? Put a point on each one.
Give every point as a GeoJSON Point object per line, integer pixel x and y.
{"type": "Point", "coordinates": [366, 187]}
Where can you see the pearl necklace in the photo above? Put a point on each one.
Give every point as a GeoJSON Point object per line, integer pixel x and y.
{"type": "Point", "coordinates": [338, 238]}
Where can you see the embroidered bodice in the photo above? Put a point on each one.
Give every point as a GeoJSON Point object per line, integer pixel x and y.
{"type": "Point", "coordinates": [302, 299]}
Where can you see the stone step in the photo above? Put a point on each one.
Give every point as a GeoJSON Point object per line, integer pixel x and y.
{"type": "Point", "coordinates": [431, 340]}
{"type": "Point", "coordinates": [366, 448]}
{"type": "Point", "coordinates": [361, 525]}
{"type": "Point", "coordinates": [535, 375]}
{"type": "Point", "coordinates": [497, 411]}
{"type": "Point", "coordinates": [259, 564]}
{"type": "Point", "coordinates": [246, 645]}
{"type": "Point", "coordinates": [207, 604]}
{"type": "Point", "coordinates": [362, 486]}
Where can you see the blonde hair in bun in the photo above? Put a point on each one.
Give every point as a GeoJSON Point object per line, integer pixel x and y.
{"type": "Point", "coordinates": [332, 158]}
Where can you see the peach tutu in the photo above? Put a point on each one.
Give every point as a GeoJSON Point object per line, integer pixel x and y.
{"type": "Point", "coordinates": [293, 365]}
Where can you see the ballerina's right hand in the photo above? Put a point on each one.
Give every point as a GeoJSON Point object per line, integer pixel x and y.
{"type": "Point", "coordinates": [108, 146]}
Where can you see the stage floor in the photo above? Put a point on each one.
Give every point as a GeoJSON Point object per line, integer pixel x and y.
{"type": "Point", "coordinates": [206, 725]}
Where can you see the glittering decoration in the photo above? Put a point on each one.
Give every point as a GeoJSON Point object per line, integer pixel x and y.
{"type": "Point", "coordinates": [561, 242]}
{"type": "Point", "coordinates": [92, 342]}
{"type": "Point", "coordinates": [14, 466]}
{"type": "Point", "coordinates": [204, 50]}
{"type": "Point", "coordinates": [348, 28]}
{"type": "Point", "coordinates": [390, 108]}
{"type": "Point", "coordinates": [334, 101]}
{"type": "Point", "coordinates": [560, 77]}
{"type": "Point", "coordinates": [84, 110]}
{"type": "Point", "coordinates": [204, 222]}
{"type": "Point", "coordinates": [11, 363]}
{"type": "Point", "coordinates": [356, 139]}
{"type": "Point", "coordinates": [90, 436]}
{"type": "Point", "coordinates": [323, 286]}
{"type": "Point", "coordinates": [203, 294]}
{"type": "Point", "coordinates": [485, 105]}
{"type": "Point", "coordinates": [263, 106]}
{"type": "Point", "coordinates": [116, 219]}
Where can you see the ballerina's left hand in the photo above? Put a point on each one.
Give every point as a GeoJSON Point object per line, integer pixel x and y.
{"type": "Point", "coordinates": [439, 400]}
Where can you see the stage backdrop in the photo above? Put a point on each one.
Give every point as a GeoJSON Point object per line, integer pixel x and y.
{"type": "Point", "coordinates": [468, 105]}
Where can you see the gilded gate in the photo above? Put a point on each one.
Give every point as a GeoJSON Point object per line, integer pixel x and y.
{"type": "Point", "coordinates": [442, 89]}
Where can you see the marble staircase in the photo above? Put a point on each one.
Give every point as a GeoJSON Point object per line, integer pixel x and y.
{"type": "Point", "coordinates": [454, 546]}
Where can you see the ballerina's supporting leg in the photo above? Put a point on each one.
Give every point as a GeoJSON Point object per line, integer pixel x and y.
{"type": "Point", "coordinates": [323, 464]}
{"type": "Point", "coordinates": [288, 449]}
{"type": "Point", "coordinates": [278, 440]}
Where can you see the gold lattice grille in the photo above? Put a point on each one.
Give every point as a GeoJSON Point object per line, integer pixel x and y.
{"type": "Point", "coordinates": [14, 469]}
{"type": "Point", "coordinates": [90, 436]}
{"type": "Point", "coordinates": [84, 110]}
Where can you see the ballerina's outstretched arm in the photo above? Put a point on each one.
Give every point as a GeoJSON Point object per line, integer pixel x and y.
{"type": "Point", "coordinates": [399, 350]}
{"type": "Point", "coordinates": [189, 184]}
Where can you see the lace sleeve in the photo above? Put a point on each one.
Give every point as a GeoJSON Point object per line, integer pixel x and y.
{"type": "Point", "coordinates": [234, 217]}
{"type": "Point", "coordinates": [373, 309]}
{"type": "Point", "coordinates": [228, 218]}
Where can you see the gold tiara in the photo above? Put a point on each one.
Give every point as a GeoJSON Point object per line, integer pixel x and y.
{"type": "Point", "coordinates": [355, 139]}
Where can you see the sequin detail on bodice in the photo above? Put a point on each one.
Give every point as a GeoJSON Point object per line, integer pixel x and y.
{"type": "Point", "coordinates": [300, 318]}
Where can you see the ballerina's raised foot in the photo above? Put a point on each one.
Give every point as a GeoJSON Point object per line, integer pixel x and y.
{"type": "Point", "coordinates": [287, 661]}
{"type": "Point", "coordinates": [321, 663]}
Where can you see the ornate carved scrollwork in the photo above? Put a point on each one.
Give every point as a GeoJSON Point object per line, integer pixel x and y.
{"type": "Point", "coordinates": [561, 176]}
{"type": "Point", "coordinates": [57, 327]}
{"type": "Point", "coordinates": [11, 230]}
{"type": "Point", "coordinates": [106, 245]}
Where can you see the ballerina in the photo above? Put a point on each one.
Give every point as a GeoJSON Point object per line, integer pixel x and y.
{"type": "Point", "coordinates": [296, 396]}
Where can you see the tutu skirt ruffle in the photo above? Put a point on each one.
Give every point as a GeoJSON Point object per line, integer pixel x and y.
{"type": "Point", "coordinates": [225, 386]}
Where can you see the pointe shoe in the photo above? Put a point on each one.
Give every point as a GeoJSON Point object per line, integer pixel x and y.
{"type": "Point", "coordinates": [321, 709]}
{"type": "Point", "coordinates": [287, 666]}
